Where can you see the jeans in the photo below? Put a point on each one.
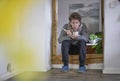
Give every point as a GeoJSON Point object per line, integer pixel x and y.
{"type": "Point", "coordinates": [65, 51]}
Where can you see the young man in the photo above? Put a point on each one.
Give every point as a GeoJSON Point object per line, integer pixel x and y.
{"type": "Point", "coordinates": [75, 33]}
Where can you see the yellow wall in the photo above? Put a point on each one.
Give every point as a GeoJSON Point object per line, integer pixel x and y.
{"type": "Point", "coordinates": [13, 33]}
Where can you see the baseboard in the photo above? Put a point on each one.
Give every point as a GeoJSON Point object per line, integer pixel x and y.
{"type": "Point", "coordinates": [111, 71]}
{"type": "Point", "coordinates": [8, 75]}
{"type": "Point", "coordinates": [75, 66]}
{"type": "Point", "coordinates": [37, 69]}
{"type": "Point", "coordinates": [40, 69]}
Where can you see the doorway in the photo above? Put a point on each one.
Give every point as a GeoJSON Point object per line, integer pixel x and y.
{"type": "Point", "coordinates": [92, 57]}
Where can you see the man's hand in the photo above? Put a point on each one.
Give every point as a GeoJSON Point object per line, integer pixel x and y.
{"type": "Point", "coordinates": [69, 33]}
{"type": "Point", "coordinates": [74, 36]}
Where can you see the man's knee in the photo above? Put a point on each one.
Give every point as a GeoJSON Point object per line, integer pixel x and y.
{"type": "Point", "coordinates": [65, 42]}
{"type": "Point", "coordinates": [82, 42]}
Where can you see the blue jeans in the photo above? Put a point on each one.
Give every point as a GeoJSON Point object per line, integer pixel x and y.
{"type": "Point", "coordinates": [65, 51]}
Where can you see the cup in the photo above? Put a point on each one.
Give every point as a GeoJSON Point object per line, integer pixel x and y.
{"type": "Point", "coordinates": [76, 33]}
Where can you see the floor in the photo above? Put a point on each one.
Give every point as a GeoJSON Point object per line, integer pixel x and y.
{"type": "Point", "coordinates": [72, 75]}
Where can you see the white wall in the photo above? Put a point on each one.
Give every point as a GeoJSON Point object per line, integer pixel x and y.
{"type": "Point", "coordinates": [36, 31]}
{"type": "Point", "coordinates": [35, 36]}
{"type": "Point", "coordinates": [48, 30]}
{"type": "Point", "coordinates": [112, 38]}
{"type": "Point", "coordinates": [3, 60]}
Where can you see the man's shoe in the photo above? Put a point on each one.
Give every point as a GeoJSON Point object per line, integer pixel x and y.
{"type": "Point", "coordinates": [65, 68]}
{"type": "Point", "coordinates": [82, 69]}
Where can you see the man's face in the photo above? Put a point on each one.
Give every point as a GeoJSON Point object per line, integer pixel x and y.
{"type": "Point", "coordinates": [75, 24]}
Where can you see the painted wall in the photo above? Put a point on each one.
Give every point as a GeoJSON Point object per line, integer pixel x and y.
{"type": "Point", "coordinates": [3, 60]}
{"type": "Point", "coordinates": [112, 38]}
{"type": "Point", "coordinates": [25, 30]}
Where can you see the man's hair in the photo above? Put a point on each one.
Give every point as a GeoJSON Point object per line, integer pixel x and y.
{"type": "Point", "coordinates": [75, 15]}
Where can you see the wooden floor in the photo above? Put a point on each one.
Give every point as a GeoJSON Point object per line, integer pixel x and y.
{"type": "Point", "coordinates": [72, 75]}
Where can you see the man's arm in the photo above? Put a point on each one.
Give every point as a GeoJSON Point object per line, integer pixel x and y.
{"type": "Point", "coordinates": [64, 34]}
{"type": "Point", "coordinates": [83, 34]}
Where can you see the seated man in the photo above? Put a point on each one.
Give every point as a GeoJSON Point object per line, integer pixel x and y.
{"type": "Point", "coordinates": [75, 33]}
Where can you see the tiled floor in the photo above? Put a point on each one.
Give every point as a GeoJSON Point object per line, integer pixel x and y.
{"type": "Point", "coordinates": [72, 75]}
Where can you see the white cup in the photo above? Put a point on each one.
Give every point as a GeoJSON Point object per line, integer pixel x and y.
{"type": "Point", "coordinates": [76, 33]}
